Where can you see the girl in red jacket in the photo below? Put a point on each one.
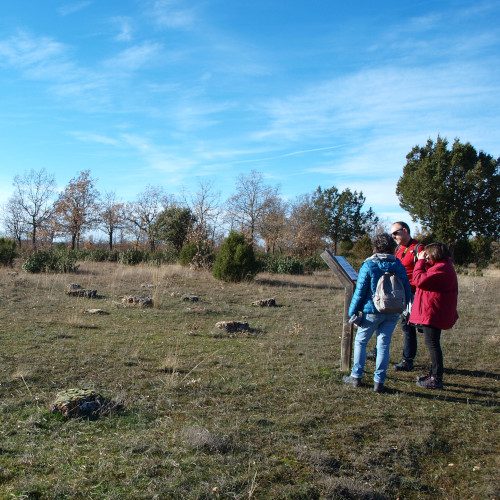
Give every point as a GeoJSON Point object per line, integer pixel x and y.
{"type": "Point", "coordinates": [435, 305]}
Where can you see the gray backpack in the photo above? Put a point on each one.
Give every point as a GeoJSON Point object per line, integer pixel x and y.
{"type": "Point", "coordinates": [390, 297]}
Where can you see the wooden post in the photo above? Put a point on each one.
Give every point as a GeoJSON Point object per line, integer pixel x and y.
{"type": "Point", "coordinates": [348, 277]}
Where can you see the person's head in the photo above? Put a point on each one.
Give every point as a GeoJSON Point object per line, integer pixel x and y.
{"type": "Point", "coordinates": [436, 252]}
{"type": "Point", "coordinates": [401, 233]}
{"type": "Point", "coordinates": [383, 243]}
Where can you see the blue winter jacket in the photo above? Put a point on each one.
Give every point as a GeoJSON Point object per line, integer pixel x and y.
{"type": "Point", "coordinates": [369, 274]}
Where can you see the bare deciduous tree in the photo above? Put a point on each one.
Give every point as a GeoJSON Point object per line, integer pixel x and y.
{"type": "Point", "coordinates": [302, 232]}
{"type": "Point", "coordinates": [111, 216]}
{"type": "Point", "coordinates": [272, 224]}
{"type": "Point", "coordinates": [13, 220]}
{"type": "Point", "coordinates": [76, 208]}
{"type": "Point", "coordinates": [250, 204]}
{"type": "Point", "coordinates": [143, 213]}
{"type": "Point", "coordinates": [33, 196]}
{"type": "Point", "coordinates": [205, 207]}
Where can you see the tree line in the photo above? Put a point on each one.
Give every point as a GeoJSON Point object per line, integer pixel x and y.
{"type": "Point", "coordinates": [452, 193]}
{"type": "Point", "coordinates": [256, 210]}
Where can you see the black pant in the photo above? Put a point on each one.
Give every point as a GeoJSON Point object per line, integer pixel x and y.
{"type": "Point", "coordinates": [432, 338]}
{"type": "Point", "coordinates": [410, 346]}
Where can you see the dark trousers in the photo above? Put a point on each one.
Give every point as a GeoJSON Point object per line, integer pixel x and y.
{"type": "Point", "coordinates": [410, 333]}
{"type": "Point", "coordinates": [432, 338]}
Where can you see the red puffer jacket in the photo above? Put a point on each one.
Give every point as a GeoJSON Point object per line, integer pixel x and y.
{"type": "Point", "coordinates": [435, 302]}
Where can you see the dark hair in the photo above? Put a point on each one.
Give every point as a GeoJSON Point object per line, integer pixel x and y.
{"type": "Point", "coordinates": [384, 243]}
{"type": "Point", "coordinates": [403, 225]}
{"type": "Point", "coordinates": [437, 251]}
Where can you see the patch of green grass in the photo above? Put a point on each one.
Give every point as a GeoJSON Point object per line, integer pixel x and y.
{"type": "Point", "coordinates": [249, 416]}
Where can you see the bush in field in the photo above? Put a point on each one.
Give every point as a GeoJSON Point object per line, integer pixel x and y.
{"type": "Point", "coordinates": [7, 251]}
{"type": "Point", "coordinates": [363, 247]}
{"type": "Point", "coordinates": [235, 260]}
{"type": "Point", "coordinates": [59, 261]}
{"type": "Point", "coordinates": [167, 256]}
{"type": "Point", "coordinates": [283, 265]}
{"type": "Point", "coordinates": [199, 255]}
{"type": "Point", "coordinates": [131, 256]}
{"type": "Point", "coordinates": [188, 251]}
{"type": "Point", "coordinates": [314, 263]}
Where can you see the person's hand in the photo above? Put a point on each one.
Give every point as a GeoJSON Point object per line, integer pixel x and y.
{"type": "Point", "coordinates": [421, 255]}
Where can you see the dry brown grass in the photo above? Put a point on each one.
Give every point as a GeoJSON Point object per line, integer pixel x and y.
{"type": "Point", "coordinates": [255, 416]}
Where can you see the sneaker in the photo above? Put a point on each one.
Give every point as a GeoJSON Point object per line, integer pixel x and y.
{"type": "Point", "coordinates": [430, 383]}
{"type": "Point", "coordinates": [353, 381]}
{"type": "Point", "coordinates": [421, 378]}
{"type": "Point", "coordinates": [378, 387]}
{"type": "Point", "coordinates": [404, 366]}
{"type": "Point", "coordinates": [372, 355]}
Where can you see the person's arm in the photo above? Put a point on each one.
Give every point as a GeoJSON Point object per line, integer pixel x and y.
{"type": "Point", "coordinates": [433, 279]}
{"type": "Point", "coordinates": [362, 288]}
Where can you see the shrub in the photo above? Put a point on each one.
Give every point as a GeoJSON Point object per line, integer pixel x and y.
{"type": "Point", "coordinates": [7, 251]}
{"type": "Point", "coordinates": [187, 253]}
{"type": "Point", "coordinates": [235, 260]}
{"type": "Point", "coordinates": [60, 261]}
{"type": "Point", "coordinates": [363, 247]}
{"type": "Point", "coordinates": [282, 265]}
{"type": "Point", "coordinates": [314, 263]}
{"type": "Point", "coordinates": [462, 252]}
{"type": "Point", "coordinates": [131, 256]}
{"type": "Point", "coordinates": [167, 256]}
{"type": "Point", "coordinates": [482, 250]}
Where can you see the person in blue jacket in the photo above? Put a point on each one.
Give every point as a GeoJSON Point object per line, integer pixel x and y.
{"type": "Point", "coordinates": [382, 260]}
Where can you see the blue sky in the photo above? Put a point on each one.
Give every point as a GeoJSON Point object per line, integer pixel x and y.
{"type": "Point", "coordinates": [310, 93]}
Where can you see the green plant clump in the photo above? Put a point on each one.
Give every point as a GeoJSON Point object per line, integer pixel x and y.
{"type": "Point", "coordinates": [188, 251]}
{"type": "Point", "coordinates": [284, 265]}
{"type": "Point", "coordinates": [235, 260]}
{"type": "Point", "coordinates": [131, 256]}
{"type": "Point", "coordinates": [59, 261]}
{"type": "Point", "coordinates": [7, 251]}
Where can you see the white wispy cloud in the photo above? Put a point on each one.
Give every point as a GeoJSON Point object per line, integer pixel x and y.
{"type": "Point", "coordinates": [172, 14]}
{"type": "Point", "coordinates": [134, 58]}
{"type": "Point", "coordinates": [71, 8]}
{"type": "Point", "coordinates": [125, 29]}
{"type": "Point", "coordinates": [95, 138]}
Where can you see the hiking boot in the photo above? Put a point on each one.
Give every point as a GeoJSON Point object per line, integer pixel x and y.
{"type": "Point", "coordinates": [378, 387]}
{"type": "Point", "coordinates": [353, 381]}
{"type": "Point", "coordinates": [430, 383]}
{"type": "Point", "coordinates": [421, 378]}
{"type": "Point", "coordinates": [404, 366]}
{"type": "Point", "coordinates": [372, 355]}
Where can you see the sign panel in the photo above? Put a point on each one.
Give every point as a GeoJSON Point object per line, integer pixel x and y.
{"type": "Point", "coordinates": [346, 267]}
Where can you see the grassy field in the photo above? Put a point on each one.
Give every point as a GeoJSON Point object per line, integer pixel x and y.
{"type": "Point", "coordinates": [256, 415]}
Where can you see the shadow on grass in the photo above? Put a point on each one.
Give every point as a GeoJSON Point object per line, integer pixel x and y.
{"type": "Point", "coordinates": [445, 396]}
{"type": "Point", "coordinates": [472, 373]}
{"type": "Point", "coordinates": [291, 284]}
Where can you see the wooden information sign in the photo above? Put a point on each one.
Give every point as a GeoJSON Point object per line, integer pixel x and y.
{"type": "Point", "coordinates": [348, 276]}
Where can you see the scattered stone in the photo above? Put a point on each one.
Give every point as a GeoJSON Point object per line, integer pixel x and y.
{"type": "Point", "coordinates": [81, 292]}
{"type": "Point", "coordinates": [190, 298]}
{"type": "Point", "coordinates": [94, 311]}
{"type": "Point", "coordinates": [134, 300]}
{"type": "Point", "coordinates": [265, 303]}
{"type": "Point", "coordinates": [74, 403]}
{"type": "Point", "coordinates": [233, 326]}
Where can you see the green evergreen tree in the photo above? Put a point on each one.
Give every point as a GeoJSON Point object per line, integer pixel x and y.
{"type": "Point", "coordinates": [235, 260]}
{"type": "Point", "coordinates": [452, 193]}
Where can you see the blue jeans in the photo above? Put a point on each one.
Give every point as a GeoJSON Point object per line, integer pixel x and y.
{"type": "Point", "coordinates": [384, 325]}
